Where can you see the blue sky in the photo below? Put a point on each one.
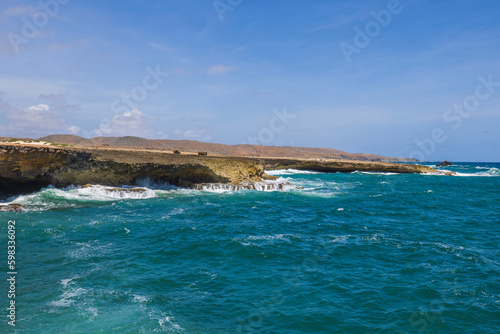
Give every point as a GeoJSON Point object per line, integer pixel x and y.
{"type": "Point", "coordinates": [266, 72]}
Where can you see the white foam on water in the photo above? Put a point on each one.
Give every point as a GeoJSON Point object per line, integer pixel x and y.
{"type": "Point", "coordinates": [285, 237]}
{"type": "Point", "coordinates": [167, 323]}
{"type": "Point", "coordinates": [442, 173]}
{"type": "Point", "coordinates": [489, 172]}
{"type": "Point", "coordinates": [279, 184]}
{"type": "Point", "coordinates": [89, 249]}
{"type": "Point", "coordinates": [99, 192]}
{"type": "Point", "coordinates": [176, 211]}
{"type": "Point", "coordinates": [139, 299]}
{"type": "Point", "coordinates": [319, 188]}
{"type": "Point", "coordinates": [68, 281]}
{"type": "Point", "coordinates": [67, 298]}
{"type": "Point", "coordinates": [149, 183]}
{"type": "Point", "coordinates": [93, 311]}
{"type": "Point", "coordinates": [290, 171]}
{"type": "Point", "coordinates": [50, 197]}
{"type": "Point", "coordinates": [380, 173]}
{"type": "Point", "coordinates": [258, 240]}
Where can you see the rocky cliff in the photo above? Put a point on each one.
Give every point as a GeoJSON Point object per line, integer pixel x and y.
{"type": "Point", "coordinates": [26, 168]}
{"type": "Point", "coordinates": [344, 166]}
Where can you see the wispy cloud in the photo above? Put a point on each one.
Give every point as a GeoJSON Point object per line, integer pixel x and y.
{"type": "Point", "coordinates": [198, 134]}
{"type": "Point", "coordinates": [219, 70]}
{"type": "Point", "coordinates": [161, 47]}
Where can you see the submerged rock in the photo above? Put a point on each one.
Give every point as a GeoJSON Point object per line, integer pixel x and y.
{"type": "Point", "coordinates": [119, 193]}
{"type": "Point", "coordinates": [444, 164]}
{"type": "Point", "coordinates": [260, 186]}
{"type": "Point", "coordinates": [12, 207]}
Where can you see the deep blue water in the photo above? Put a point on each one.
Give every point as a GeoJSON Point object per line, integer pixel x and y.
{"type": "Point", "coordinates": [349, 253]}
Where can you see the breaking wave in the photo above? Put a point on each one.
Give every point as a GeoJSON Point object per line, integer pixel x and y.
{"type": "Point", "coordinates": [488, 172]}
{"type": "Point", "coordinates": [290, 172]}
{"type": "Point", "coordinates": [271, 185]}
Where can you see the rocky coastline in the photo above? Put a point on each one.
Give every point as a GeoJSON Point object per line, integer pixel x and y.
{"type": "Point", "coordinates": [26, 168]}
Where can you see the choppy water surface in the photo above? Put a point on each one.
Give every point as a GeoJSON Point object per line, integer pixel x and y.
{"type": "Point", "coordinates": [349, 253]}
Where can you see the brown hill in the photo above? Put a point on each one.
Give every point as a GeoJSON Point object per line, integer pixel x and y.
{"type": "Point", "coordinates": [218, 149]}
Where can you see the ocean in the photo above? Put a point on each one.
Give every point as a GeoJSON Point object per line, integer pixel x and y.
{"type": "Point", "coordinates": [345, 253]}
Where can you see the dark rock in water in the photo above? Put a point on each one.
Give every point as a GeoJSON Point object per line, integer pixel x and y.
{"type": "Point", "coordinates": [12, 208]}
{"type": "Point", "coordinates": [444, 164]}
{"type": "Point", "coordinates": [129, 190]}
{"type": "Point", "coordinates": [261, 186]}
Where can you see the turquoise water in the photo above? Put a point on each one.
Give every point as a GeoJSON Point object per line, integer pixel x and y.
{"type": "Point", "coordinates": [349, 253]}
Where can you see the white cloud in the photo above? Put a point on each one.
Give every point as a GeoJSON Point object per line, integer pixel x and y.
{"type": "Point", "coordinates": [36, 120]}
{"type": "Point", "coordinates": [219, 69]}
{"type": "Point", "coordinates": [198, 134]}
{"type": "Point", "coordinates": [129, 123]}
{"type": "Point", "coordinates": [40, 107]}
{"type": "Point", "coordinates": [74, 129]}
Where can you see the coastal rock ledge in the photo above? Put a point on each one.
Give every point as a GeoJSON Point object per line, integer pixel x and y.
{"type": "Point", "coordinates": [27, 168]}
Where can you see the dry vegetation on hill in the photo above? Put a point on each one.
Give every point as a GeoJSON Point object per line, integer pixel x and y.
{"type": "Point", "coordinates": [218, 149]}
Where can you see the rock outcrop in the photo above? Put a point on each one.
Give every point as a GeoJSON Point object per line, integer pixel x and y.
{"type": "Point", "coordinates": [12, 207]}
{"type": "Point", "coordinates": [28, 168]}
{"type": "Point", "coordinates": [25, 168]}
{"type": "Point", "coordinates": [444, 164]}
{"type": "Point", "coordinates": [348, 166]}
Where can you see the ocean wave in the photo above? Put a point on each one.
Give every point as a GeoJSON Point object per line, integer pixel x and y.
{"type": "Point", "coordinates": [290, 171]}
{"type": "Point", "coordinates": [489, 172]}
{"type": "Point", "coordinates": [260, 240]}
{"type": "Point", "coordinates": [379, 173]}
{"type": "Point", "coordinates": [51, 198]}
{"type": "Point", "coordinates": [86, 250]}
{"type": "Point", "coordinates": [70, 293]}
{"type": "Point", "coordinates": [98, 192]}
{"type": "Point", "coordinates": [149, 183]}
{"type": "Point", "coordinates": [268, 185]}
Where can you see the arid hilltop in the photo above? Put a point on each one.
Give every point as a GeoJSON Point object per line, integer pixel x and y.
{"type": "Point", "coordinates": [219, 149]}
